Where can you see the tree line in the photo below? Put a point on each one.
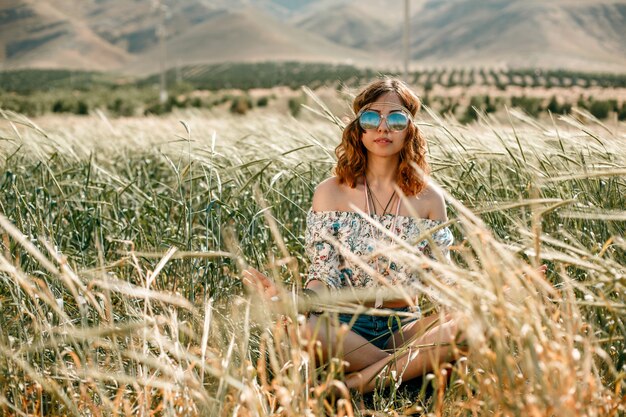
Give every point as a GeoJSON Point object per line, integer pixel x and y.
{"type": "Point", "coordinates": [36, 92]}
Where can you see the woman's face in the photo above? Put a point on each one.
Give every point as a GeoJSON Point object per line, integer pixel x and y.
{"type": "Point", "coordinates": [382, 141]}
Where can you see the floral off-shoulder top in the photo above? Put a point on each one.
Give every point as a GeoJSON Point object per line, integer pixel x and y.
{"type": "Point", "coordinates": [337, 240]}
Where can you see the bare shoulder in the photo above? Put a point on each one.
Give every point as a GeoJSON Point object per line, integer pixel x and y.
{"type": "Point", "coordinates": [326, 194]}
{"type": "Point", "coordinates": [430, 203]}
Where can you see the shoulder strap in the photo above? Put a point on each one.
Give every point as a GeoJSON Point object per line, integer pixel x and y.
{"type": "Point", "coordinates": [367, 197]}
{"type": "Point", "coordinates": [398, 206]}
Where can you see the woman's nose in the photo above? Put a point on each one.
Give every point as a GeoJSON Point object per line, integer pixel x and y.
{"type": "Point", "coordinates": [382, 126]}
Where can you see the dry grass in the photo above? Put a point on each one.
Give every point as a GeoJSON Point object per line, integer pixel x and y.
{"type": "Point", "coordinates": [122, 241]}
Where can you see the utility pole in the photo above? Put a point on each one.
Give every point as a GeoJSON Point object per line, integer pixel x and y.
{"type": "Point", "coordinates": [162, 10]}
{"type": "Point", "coordinates": [407, 25]}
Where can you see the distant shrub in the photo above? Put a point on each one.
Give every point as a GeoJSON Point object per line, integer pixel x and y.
{"type": "Point", "coordinates": [555, 107]}
{"type": "Point", "coordinates": [600, 109]}
{"type": "Point", "coordinates": [531, 105]}
{"type": "Point", "coordinates": [471, 112]}
{"type": "Point", "coordinates": [241, 105]}
{"type": "Point", "coordinates": [64, 105]}
{"type": "Point", "coordinates": [181, 87]}
{"type": "Point", "coordinates": [477, 104]}
{"type": "Point", "coordinates": [449, 106]}
{"type": "Point", "coordinates": [490, 105]}
{"type": "Point", "coordinates": [262, 101]}
{"type": "Point", "coordinates": [22, 104]}
{"type": "Point", "coordinates": [621, 114]}
{"type": "Point", "coordinates": [82, 107]}
{"type": "Point", "coordinates": [536, 80]}
{"type": "Point", "coordinates": [157, 108]}
{"type": "Point", "coordinates": [196, 102]}
{"type": "Point", "coordinates": [122, 107]}
{"type": "Point", "coordinates": [295, 105]}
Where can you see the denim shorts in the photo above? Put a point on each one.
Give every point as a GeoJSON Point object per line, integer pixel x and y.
{"type": "Point", "coordinates": [378, 329]}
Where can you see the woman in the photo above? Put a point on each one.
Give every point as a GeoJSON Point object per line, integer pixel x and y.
{"type": "Point", "coordinates": [376, 160]}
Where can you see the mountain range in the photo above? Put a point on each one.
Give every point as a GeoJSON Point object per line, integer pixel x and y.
{"type": "Point", "coordinates": [123, 35]}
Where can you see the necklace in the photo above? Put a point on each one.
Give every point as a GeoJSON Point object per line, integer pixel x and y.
{"type": "Point", "coordinates": [380, 267]}
{"type": "Point", "coordinates": [371, 194]}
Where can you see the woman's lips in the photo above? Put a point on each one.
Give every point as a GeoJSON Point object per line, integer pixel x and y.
{"type": "Point", "coordinates": [382, 140]}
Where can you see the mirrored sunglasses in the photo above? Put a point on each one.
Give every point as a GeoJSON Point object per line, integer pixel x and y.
{"type": "Point", "coordinates": [396, 121]}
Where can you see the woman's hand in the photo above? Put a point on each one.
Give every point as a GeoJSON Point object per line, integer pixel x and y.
{"type": "Point", "coordinates": [542, 270]}
{"type": "Point", "coordinates": [255, 280]}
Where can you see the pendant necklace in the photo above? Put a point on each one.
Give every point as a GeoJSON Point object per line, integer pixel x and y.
{"type": "Point", "coordinates": [375, 200]}
{"type": "Point", "coordinates": [384, 271]}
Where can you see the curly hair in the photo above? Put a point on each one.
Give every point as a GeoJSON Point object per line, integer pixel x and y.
{"type": "Point", "coordinates": [352, 155]}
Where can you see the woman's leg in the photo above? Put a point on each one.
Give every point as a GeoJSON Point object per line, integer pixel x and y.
{"type": "Point", "coordinates": [418, 356]}
{"type": "Point", "coordinates": [341, 342]}
{"type": "Point", "coordinates": [414, 329]}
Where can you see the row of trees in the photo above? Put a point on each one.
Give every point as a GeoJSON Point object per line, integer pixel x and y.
{"type": "Point", "coordinates": [36, 92]}
{"type": "Point", "coordinates": [134, 102]}
{"type": "Point", "coordinates": [115, 103]}
{"type": "Point", "coordinates": [533, 106]}
{"type": "Point", "coordinates": [265, 75]}
{"type": "Point", "coordinates": [501, 78]}
{"type": "Point", "coordinates": [245, 76]}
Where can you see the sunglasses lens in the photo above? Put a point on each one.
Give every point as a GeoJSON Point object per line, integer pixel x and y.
{"type": "Point", "coordinates": [369, 120]}
{"type": "Point", "coordinates": [397, 121]}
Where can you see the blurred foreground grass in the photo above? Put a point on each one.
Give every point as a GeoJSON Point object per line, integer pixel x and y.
{"type": "Point", "coordinates": [122, 241]}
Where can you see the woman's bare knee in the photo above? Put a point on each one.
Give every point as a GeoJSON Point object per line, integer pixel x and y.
{"type": "Point", "coordinates": [329, 340]}
{"type": "Point", "coordinates": [319, 329]}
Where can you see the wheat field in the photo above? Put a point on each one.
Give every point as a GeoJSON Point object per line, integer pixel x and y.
{"type": "Point", "coordinates": [123, 241]}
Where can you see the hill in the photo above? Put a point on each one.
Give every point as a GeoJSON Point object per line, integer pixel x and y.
{"type": "Point", "coordinates": [123, 35]}
{"type": "Point", "coordinates": [563, 33]}
{"type": "Point", "coordinates": [41, 34]}
{"type": "Point", "coordinates": [353, 24]}
{"type": "Point", "coordinates": [247, 35]}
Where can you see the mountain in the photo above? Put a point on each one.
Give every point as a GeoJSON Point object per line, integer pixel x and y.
{"type": "Point", "coordinates": [124, 34]}
{"type": "Point", "coordinates": [41, 34]}
{"type": "Point", "coordinates": [247, 35]}
{"type": "Point", "coordinates": [572, 34]}
{"type": "Point", "coordinates": [134, 25]}
{"type": "Point", "coordinates": [355, 24]}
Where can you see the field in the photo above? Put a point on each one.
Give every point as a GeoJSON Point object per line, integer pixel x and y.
{"type": "Point", "coordinates": [123, 240]}
{"type": "Point", "coordinates": [456, 92]}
